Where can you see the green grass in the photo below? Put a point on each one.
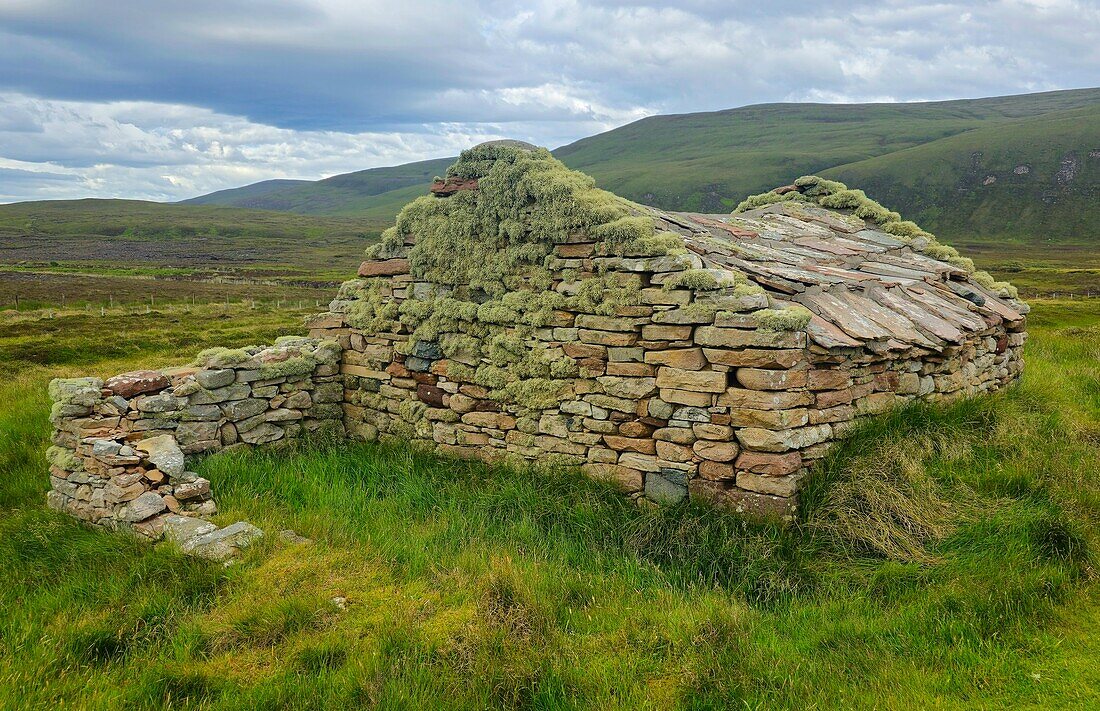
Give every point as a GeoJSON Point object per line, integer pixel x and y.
{"type": "Point", "coordinates": [120, 233]}
{"type": "Point", "coordinates": [477, 587]}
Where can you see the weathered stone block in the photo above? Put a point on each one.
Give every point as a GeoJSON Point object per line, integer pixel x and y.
{"type": "Point", "coordinates": [706, 381]}
{"type": "Point", "coordinates": [680, 358]}
{"type": "Point", "coordinates": [761, 379]}
{"type": "Point", "coordinates": [745, 338]}
{"type": "Point", "coordinates": [769, 464]}
{"type": "Point", "coordinates": [782, 440]}
{"type": "Point", "coordinates": [137, 382]}
{"type": "Point", "coordinates": [716, 451]}
{"type": "Point", "coordinates": [660, 488]}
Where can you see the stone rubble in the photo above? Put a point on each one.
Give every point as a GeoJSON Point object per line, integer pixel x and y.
{"type": "Point", "coordinates": [119, 451]}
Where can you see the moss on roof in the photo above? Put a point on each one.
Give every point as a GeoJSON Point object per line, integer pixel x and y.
{"type": "Point", "coordinates": [835, 195]}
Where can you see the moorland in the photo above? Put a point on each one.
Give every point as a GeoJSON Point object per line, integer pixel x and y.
{"type": "Point", "coordinates": [946, 555]}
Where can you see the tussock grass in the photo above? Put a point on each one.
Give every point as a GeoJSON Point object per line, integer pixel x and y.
{"type": "Point", "coordinates": [945, 559]}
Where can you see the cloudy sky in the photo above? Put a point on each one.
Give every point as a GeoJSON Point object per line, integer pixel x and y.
{"type": "Point", "coordinates": [163, 100]}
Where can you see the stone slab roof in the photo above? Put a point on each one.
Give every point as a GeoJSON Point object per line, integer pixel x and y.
{"type": "Point", "coordinates": [865, 287]}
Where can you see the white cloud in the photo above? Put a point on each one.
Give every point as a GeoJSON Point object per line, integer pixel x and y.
{"type": "Point", "coordinates": [161, 99]}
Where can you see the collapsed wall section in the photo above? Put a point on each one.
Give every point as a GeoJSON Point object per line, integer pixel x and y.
{"type": "Point", "coordinates": [118, 446]}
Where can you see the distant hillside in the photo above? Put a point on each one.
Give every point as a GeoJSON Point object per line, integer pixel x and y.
{"type": "Point", "coordinates": [139, 218]}
{"type": "Point", "coordinates": [377, 193]}
{"type": "Point", "coordinates": [1033, 180]}
{"type": "Point", "coordinates": [918, 157]}
{"type": "Point", "coordinates": [250, 196]}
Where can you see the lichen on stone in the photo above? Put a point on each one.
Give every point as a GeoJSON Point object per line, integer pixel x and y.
{"type": "Point", "coordinates": [63, 458]}
{"type": "Point", "coordinates": [492, 249]}
{"type": "Point", "coordinates": [369, 305]}
{"type": "Point", "coordinates": [789, 318]}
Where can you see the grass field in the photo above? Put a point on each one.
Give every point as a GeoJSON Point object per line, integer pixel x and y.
{"type": "Point", "coordinates": [946, 558]}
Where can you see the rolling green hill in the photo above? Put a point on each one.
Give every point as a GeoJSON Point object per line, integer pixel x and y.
{"type": "Point", "coordinates": [369, 193]}
{"type": "Point", "coordinates": [1030, 180]}
{"type": "Point", "coordinates": [918, 157]}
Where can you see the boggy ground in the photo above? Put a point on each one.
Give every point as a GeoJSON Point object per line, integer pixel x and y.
{"type": "Point", "coordinates": [946, 559]}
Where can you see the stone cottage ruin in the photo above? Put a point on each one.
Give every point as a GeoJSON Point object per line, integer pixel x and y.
{"type": "Point", "coordinates": [518, 313]}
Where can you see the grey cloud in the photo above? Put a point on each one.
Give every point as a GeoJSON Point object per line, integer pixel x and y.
{"type": "Point", "coordinates": [163, 99]}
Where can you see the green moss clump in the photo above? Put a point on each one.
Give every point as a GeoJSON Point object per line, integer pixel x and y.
{"type": "Point", "coordinates": [412, 411]}
{"type": "Point", "coordinates": [219, 357]}
{"type": "Point", "coordinates": [703, 280]}
{"type": "Point", "coordinates": [983, 279]}
{"type": "Point", "coordinates": [295, 365]}
{"type": "Point", "coordinates": [791, 318]}
{"type": "Point", "coordinates": [370, 307]}
{"type": "Point", "coordinates": [534, 393]}
{"type": "Point", "coordinates": [942, 252]}
{"type": "Point", "coordinates": [604, 295]}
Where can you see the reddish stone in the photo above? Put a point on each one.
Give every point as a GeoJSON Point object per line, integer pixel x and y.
{"type": "Point", "coordinates": [137, 382]}
{"type": "Point", "coordinates": [769, 464]}
{"type": "Point", "coordinates": [398, 371]}
{"type": "Point", "coordinates": [452, 185]}
{"type": "Point", "coordinates": [430, 395]}
{"type": "Point", "coordinates": [383, 267]}
{"type": "Point", "coordinates": [717, 471]}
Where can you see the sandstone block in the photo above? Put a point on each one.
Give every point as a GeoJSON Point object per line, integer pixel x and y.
{"type": "Point", "coordinates": [630, 444]}
{"type": "Point", "coordinates": [761, 379]}
{"type": "Point", "coordinates": [666, 332]}
{"type": "Point", "coordinates": [243, 409]}
{"type": "Point", "coordinates": [607, 323]}
{"type": "Point", "coordinates": [748, 338]}
{"type": "Point", "coordinates": [262, 434]}
{"type": "Point", "coordinates": [708, 430]}
{"type": "Point", "coordinates": [769, 419]}
{"type": "Point", "coordinates": [212, 379]}
{"type": "Point", "coordinates": [631, 370]}
{"type": "Point", "coordinates": [706, 381]}
{"type": "Point", "coordinates": [671, 452]}
{"type": "Point", "coordinates": [607, 338]}
{"type": "Point", "coordinates": [717, 471]}
{"type": "Point", "coordinates": [383, 267]}
{"type": "Point", "coordinates": [716, 451]}
{"type": "Point", "coordinates": [632, 388]}
{"type": "Point", "coordinates": [492, 420]}
{"type": "Point", "coordinates": [769, 464]}
{"type": "Point", "coordinates": [776, 486]}
{"type": "Point", "coordinates": [782, 440]}
{"type": "Point", "coordinates": [828, 379]}
{"type": "Point", "coordinates": [687, 397]}
{"type": "Point", "coordinates": [137, 382]}
{"type": "Point", "coordinates": [145, 506]}
{"type": "Point", "coordinates": [684, 316]}
{"type": "Point", "coordinates": [641, 462]}
{"type": "Point", "coordinates": [164, 453]}
{"type": "Point", "coordinates": [754, 357]}
{"type": "Point", "coordinates": [764, 400]}
{"type": "Point", "coordinates": [681, 358]}
{"type": "Point", "coordinates": [627, 479]}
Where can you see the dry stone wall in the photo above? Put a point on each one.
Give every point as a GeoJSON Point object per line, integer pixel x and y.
{"type": "Point", "coordinates": [119, 447]}
{"type": "Point", "coordinates": [683, 393]}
